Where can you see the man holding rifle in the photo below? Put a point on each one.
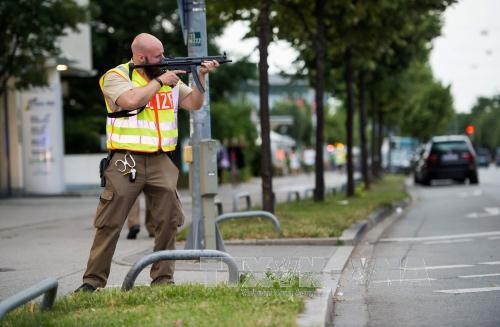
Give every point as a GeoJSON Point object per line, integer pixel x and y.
{"type": "Point", "coordinates": [142, 100]}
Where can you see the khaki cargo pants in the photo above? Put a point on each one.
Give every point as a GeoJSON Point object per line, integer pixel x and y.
{"type": "Point", "coordinates": [157, 177]}
{"type": "Point", "coordinates": [134, 216]}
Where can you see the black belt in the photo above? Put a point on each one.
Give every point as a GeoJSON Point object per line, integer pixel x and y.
{"type": "Point", "coordinates": [156, 153]}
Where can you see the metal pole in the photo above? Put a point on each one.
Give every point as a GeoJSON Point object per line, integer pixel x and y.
{"type": "Point", "coordinates": [195, 24]}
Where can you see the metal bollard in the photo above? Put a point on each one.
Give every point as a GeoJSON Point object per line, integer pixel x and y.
{"type": "Point", "coordinates": [289, 196]}
{"type": "Point", "coordinates": [145, 261]}
{"type": "Point", "coordinates": [238, 196]}
{"type": "Point", "coordinates": [47, 287]}
{"type": "Point", "coordinates": [309, 192]}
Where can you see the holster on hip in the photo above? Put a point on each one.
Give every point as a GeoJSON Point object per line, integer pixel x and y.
{"type": "Point", "coordinates": [102, 167]}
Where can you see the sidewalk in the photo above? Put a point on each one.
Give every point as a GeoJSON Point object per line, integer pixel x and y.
{"type": "Point", "coordinates": [51, 237]}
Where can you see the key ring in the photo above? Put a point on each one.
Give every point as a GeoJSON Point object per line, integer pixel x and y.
{"type": "Point", "coordinates": [125, 162]}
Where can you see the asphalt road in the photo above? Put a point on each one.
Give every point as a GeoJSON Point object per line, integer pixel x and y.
{"type": "Point", "coordinates": [437, 264]}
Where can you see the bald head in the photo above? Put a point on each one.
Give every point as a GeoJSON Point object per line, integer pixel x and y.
{"type": "Point", "coordinates": [146, 48]}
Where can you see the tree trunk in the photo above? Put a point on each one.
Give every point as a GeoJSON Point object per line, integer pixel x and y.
{"type": "Point", "coordinates": [380, 139]}
{"type": "Point", "coordinates": [319, 190]}
{"type": "Point", "coordinates": [362, 131]}
{"type": "Point", "coordinates": [6, 137]}
{"type": "Point", "coordinates": [374, 146]}
{"type": "Point", "coordinates": [266, 165]}
{"type": "Point", "coordinates": [349, 122]}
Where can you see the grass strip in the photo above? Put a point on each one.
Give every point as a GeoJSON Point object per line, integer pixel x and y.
{"type": "Point", "coordinates": [307, 218]}
{"type": "Point", "coordinates": [273, 302]}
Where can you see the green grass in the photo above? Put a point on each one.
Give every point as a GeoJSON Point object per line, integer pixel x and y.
{"type": "Point", "coordinates": [275, 302]}
{"type": "Point", "coordinates": [307, 218]}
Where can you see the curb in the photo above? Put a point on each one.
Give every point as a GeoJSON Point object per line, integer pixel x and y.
{"type": "Point", "coordinates": [353, 234]}
{"type": "Point", "coordinates": [320, 309]}
{"type": "Point", "coordinates": [287, 241]}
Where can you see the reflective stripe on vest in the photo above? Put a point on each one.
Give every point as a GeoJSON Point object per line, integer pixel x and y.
{"type": "Point", "coordinates": [153, 129]}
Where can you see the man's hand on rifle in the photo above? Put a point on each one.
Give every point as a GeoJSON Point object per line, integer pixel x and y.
{"type": "Point", "coordinates": [208, 66]}
{"type": "Point", "coordinates": [171, 77]}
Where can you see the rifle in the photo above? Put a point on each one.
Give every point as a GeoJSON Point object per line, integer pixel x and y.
{"type": "Point", "coordinates": [189, 64]}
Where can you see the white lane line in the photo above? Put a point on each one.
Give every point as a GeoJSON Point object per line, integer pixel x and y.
{"type": "Point", "coordinates": [469, 290]}
{"type": "Point", "coordinates": [441, 237]}
{"type": "Point", "coordinates": [438, 267]}
{"type": "Point", "coordinates": [469, 194]}
{"type": "Point", "coordinates": [390, 281]}
{"type": "Point", "coordinates": [490, 263]}
{"type": "Point", "coordinates": [450, 241]}
{"type": "Point", "coordinates": [489, 212]}
{"type": "Point", "coordinates": [494, 238]}
{"type": "Point", "coordinates": [479, 276]}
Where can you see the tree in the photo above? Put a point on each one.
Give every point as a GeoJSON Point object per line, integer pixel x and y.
{"type": "Point", "coordinates": [485, 117]}
{"type": "Point", "coordinates": [310, 39]}
{"type": "Point", "coordinates": [265, 129]}
{"type": "Point", "coordinates": [28, 37]}
{"type": "Point", "coordinates": [427, 107]}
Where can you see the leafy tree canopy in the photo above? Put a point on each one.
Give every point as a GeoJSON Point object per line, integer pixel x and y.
{"type": "Point", "coordinates": [29, 34]}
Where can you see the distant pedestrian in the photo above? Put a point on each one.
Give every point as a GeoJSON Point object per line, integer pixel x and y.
{"type": "Point", "coordinates": [134, 221]}
{"type": "Point", "coordinates": [309, 159]}
{"type": "Point", "coordinates": [294, 161]}
{"type": "Point", "coordinates": [236, 160]}
{"type": "Point", "coordinates": [223, 163]}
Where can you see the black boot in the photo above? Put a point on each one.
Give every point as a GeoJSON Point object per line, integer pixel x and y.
{"type": "Point", "coordinates": [85, 288]}
{"type": "Point", "coordinates": [133, 231]}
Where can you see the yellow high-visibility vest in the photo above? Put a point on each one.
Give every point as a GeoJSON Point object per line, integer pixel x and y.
{"type": "Point", "coordinates": [154, 128]}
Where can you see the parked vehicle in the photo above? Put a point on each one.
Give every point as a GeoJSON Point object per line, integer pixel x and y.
{"type": "Point", "coordinates": [397, 154]}
{"type": "Point", "coordinates": [483, 157]}
{"type": "Point", "coordinates": [447, 157]}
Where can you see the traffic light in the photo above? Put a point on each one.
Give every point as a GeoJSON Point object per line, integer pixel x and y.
{"type": "Point", "coordinates": [469, 130]}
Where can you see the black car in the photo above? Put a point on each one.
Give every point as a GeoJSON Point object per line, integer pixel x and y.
{"type": "Point", "coordinates": [447, 157]}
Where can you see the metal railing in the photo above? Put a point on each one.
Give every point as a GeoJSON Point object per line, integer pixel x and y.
{"type": "Point", "coordinates": [240, 195]}
{"type": "Point", "coordinates": [218, 205]}
{"type": "Point", "coordinates": [47, 287]}
{"type": "Point", "coordinates": [290, 195]}
{"type": "Point", "coordinates": [145, 261]}
{"type": "Point", "coordinates": [331, 190]}
{"type": "Point", "coordinates": [250, 214]}
{"type": "Point", "coordinates": [309, 192]}
{"type": "Point", "coordinates": [241, 215]}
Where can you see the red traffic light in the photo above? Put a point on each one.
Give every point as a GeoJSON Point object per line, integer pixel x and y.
{"type": "Point", "coordinates": [469, 129]}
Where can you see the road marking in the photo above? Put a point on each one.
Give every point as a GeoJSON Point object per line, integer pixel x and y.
{"type": "Point", "coordinates": [490, 263]}
{"type": "Point", "coordinates": [469, 290]}
{"type": "Point", "coordinates": [437, 238]}
{"type": "Point", "coordinates": [494, 238]}
{"type": "Point", "coordinates": [468, 194]}
{"type": "Point", "coordinates": [438, 267]}
{"type": "Point", "coordinates": [450, 241]}
{"type": "Point", "coordinates": [479, 276]}
{"type": "Point", "coordinates": [390, 281]}
{"type": "Point", "coordinates": [490, 212]}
